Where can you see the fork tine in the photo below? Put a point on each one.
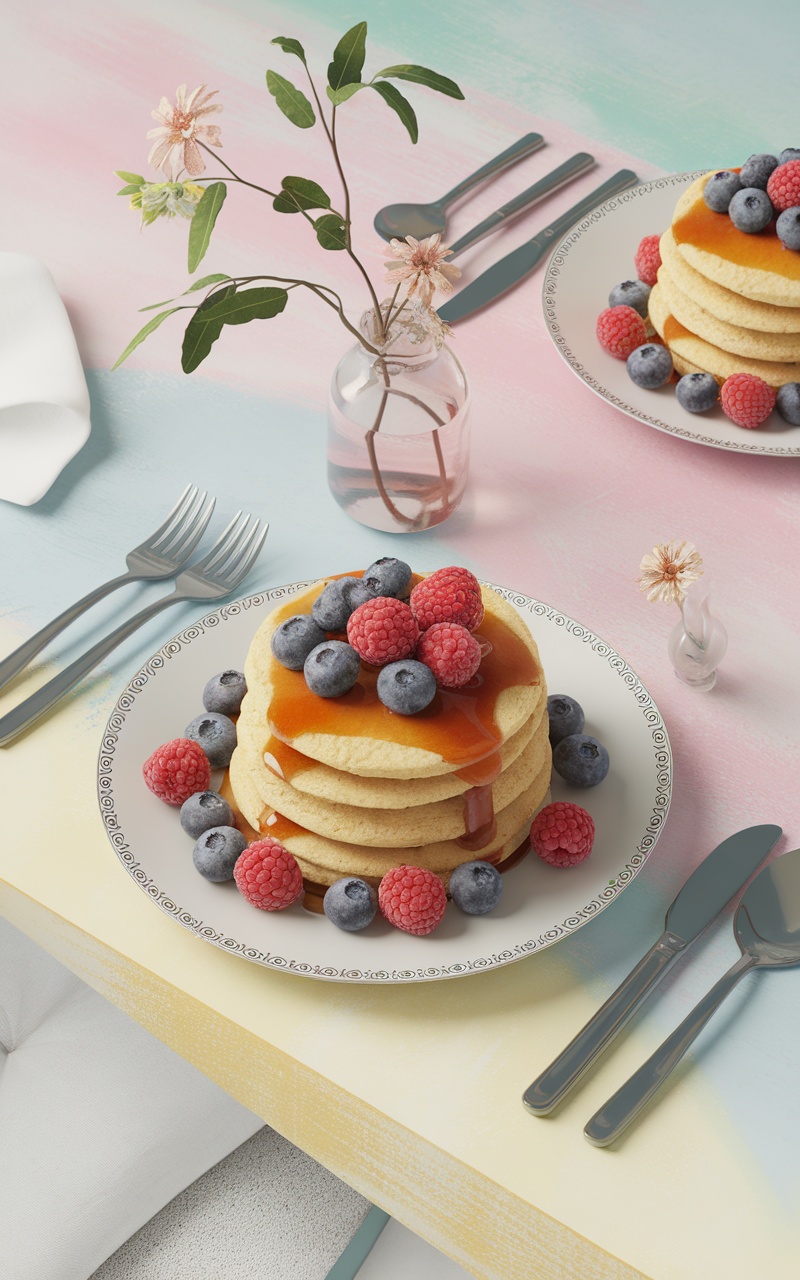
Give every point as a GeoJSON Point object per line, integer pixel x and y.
{"type": "Point", "coordinates": [221, 564]}
{"type": "Point", "coordinates": [220, 546]}
{"type": "Point", "coordinates": [237, 553]}
{"type": "Point", "coordinates": [243, 567]}
{"type": "Point", "coordinates": [176, 514]}
{"type": "Point", "coordinates": [191, 531]}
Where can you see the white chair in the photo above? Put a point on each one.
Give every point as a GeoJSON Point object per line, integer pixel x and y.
{"type": "Point", "coordinates": [120, 1161]}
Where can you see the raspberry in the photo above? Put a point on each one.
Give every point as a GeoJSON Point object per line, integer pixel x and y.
{"type": "Point", "coordinates": [452, 653]}
{"type": "Point", "coordinates": [562, 834]}
{"type": "Point", "coordinates": [412, 899]}
{"type": "Point", "coordinates": [620, 330]}
{"type": "Point", "coordinates": [177, 770]}
{"type": "Point", "coordinates": [747, 400]}
{"type": "Point", "coordinates": [783, 187]}
{"type": "Point", "coordinates": [647, 259]}
{"type": "Point", "coordinates": [448, 595]}
{"type": "Point", "coordinates": [268, 876]}
{"type": "Point", "coordinates": [382, 630]}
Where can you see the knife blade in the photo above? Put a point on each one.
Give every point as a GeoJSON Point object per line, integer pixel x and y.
{"type": "Point", "coordinates": [501, 276]}
{"type": "Point", "coordinates": [708, 889]}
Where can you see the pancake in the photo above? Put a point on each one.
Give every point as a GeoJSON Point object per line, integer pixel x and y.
{"type": "Point", "coordinates": [723, 303]}
{"type": "Point", "coordinates": [754, 266]}
{"type": "Point", "coordinates": [751, 343]}
{"type": "Point", "coordinates": [356, 734]}
{"type": "Point", "coordinates": [416, 824]}
{"type": "Point", "coordinates": [323, 860]}
{"type": "Point", "coordinates": [313, 779]}
{"type": "Point", "coordinates": [693, 354]}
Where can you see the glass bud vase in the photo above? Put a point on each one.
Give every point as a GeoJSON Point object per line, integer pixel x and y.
{"type": "Point", "coordinates": [398, 433]}
{"type": "Point", "coordinates": [698, 642]}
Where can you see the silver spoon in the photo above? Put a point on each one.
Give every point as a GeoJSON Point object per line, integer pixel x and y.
{"type": "Point", "coordinates": [767, 928]}
{"type": "Point", "coordinates": [396, 221]}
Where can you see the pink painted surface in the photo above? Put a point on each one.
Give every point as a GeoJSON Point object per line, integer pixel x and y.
{"type": "Point", "coordinates": [566, 493]}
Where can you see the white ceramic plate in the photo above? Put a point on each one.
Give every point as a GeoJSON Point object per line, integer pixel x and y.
{"type": "Point", "coordinates": [540, 904]}
{"type": "Point", "coordinates": [596, 255]}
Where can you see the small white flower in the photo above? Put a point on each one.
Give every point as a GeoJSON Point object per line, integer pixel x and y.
{"type": "Point", "coordinates": [668, 570]}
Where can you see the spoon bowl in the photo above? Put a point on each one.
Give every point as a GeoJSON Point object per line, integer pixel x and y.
{"type": "Point", "coordinates": [396, 221]}
{"type": "Point", "coordinates": [767, 929]}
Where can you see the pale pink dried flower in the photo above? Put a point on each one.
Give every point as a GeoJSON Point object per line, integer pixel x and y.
{"type": "Point", "coordinates": [421, 263]}
{"type": "Point", "coordinates": [668, 570]}
{"type": "Point", "coordinates": [180, 128]}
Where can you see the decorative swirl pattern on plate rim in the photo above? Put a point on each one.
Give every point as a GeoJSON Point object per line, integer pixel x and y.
{"type": "Point", "coordinates": [158, 663]}
{"type": "Point", "coordinates": [552, 282]}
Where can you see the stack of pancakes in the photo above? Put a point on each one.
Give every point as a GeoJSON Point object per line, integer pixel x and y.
{"type": "Point", "coordinates": [351, 788]}
{"type": "Point", "coordinates": [725, 301]}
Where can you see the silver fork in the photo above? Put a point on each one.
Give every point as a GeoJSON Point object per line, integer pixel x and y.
{"type": "Point", "coordinates": [212, 578]}
{"type": "Point", "coordinates": [159, 556]}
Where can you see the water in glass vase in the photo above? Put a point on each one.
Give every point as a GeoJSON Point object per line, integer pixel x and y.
{"type": "Point", "coordinates": [398, 438]}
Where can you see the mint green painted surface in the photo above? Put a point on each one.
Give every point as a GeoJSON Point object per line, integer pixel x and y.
{"type": "Point", "coordinates": [682, 83]}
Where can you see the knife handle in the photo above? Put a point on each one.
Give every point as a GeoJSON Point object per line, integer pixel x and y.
{"type": "Point", "coordinates": [556, 1081]}
{"type": "Point", "coordinates": [619, 181]}
{"type": "Point", "coordinates": [551, 182]}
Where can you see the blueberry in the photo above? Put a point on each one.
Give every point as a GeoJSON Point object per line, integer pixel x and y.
{"type": "Point", "coordinates": [582, 761]}
{"type": "Point", "coordinates": [649, 366]}
{"type": "Point", "coordinates": [216, 734]}
{"type": "Point", "coordinates": [294, 639]}
{"type": "Point", "coordinates": [751, 210]}
{"type": "Point", "coordinates": [224, 692]}
{"type": "Point", "coordinates": [566, 717]}
{"type": "Point", "coordinates": [350, 904]}
{"type": "Point", "coordinates": [406, 686]}
{"type": "Point", "coordinates": [475, 887]}
{"type": "Point", "coordinates": [215, 853]}
{"type": "Point", "coordinates": [332, 668]}
{"type": "Point", "coordinates": [756, 171]}
{"type": "Point", "coordinates": [788, 402]}
{"type": "Point", "coordinates": [631, 293]}
{"type": "Point", "coordinates": [333, 606]}
{"type": "Point", "coordinates": [697, 392]}
{"type": "Point", "coordinates": [788, 228]}
{"type": "Point", "coordinates": [789, 153]}
{"type": "Point", "coordinates": [204, 810]}
{"type": "Point", "coordinates": [391, 577]}
{"type": "Point", "coordinates": [720, 188]}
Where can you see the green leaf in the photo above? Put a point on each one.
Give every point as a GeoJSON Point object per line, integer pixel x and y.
{"type": "Point", "coordinates": [331, 231]}
{"type": "Point", "coordinates": [130, 190]}
{"type": "Point", "coordinates": [300, 193]}
{"type": "Point", "coordinates": [348, 57]}
{"type": "Point", "coordinates": [202, 224]}
{"type": "Point", "coordinates": [201, 333]}
{"type": "Point", "coordinates": [394, 98]}
{"type": "Point", "coordinates": [289, 45]}
{"type": "Point", "coordinates": [129, 177]}
{"type": "Point", "coordinates": [294, 104]}
{"type": "Point", "coordinates": [142, 334]}
{"type": "Point", "coordinates": [198, 284]}
{"type": "Point", "coordinates": [249, 304]}
{"type": "Point", "coordinates": [422, 75]}
{"type": "Point", "coordinates": [338, 96]}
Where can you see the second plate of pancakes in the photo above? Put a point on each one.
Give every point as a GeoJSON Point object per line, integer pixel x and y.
{"type": "Point", "coordinates": [598, 254]}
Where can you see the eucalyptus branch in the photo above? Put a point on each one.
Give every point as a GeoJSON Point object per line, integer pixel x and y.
{"type": "Point", "coordinates": [348, 242]}
{"type": "Point", "coordinates": [235, 176]}
{"type": "Point", "coordinates": [320, 290]}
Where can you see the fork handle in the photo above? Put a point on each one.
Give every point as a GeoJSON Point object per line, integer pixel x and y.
{"type": "Point", "coordinates": [31, 709]}
{"type": "Point", "coordinates": [19, 659]}
{"type": "Point", "coordinates": [517, 151]}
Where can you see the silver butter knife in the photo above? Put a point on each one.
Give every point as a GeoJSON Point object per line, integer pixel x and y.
{"type": "Point", "coordinates": [500, 277]}
{"type": "Point", "coordinates": [709, 888]}
{"type": "Point", "coordinates": [553, 181]}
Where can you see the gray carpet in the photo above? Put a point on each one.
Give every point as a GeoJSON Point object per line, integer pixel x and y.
{"type": "Point", "coordinates": [266, 1212]}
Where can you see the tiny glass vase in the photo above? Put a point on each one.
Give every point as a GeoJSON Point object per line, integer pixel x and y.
{"type": "Point", "coordinates": [398, 431]}
{"type": "Point", "coordinates": [698, 642]}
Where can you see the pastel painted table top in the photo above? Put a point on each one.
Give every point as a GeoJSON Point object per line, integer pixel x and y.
{"type": "Point", "coordinates": [412, 1094]}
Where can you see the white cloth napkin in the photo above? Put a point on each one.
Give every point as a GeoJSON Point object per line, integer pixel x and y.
{"type": "Point", "coordinates": [44, 401]}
